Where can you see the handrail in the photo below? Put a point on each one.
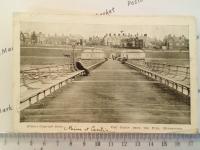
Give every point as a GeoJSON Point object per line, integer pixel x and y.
{"type": "Point", "coordinates": [178, 86]}
{"type": "Point", "coordinates": [181, 66]}
{"type": "Point", "coordinates": [37, 74]}
{"type": "Point", "coordinates": [34, 75]}
{"type": "Point", "coordinates": [182, 73]}
{"type": "Point", "coordinates": [25, 70]}
{"type": "Point", "coordinates": [48, 90]}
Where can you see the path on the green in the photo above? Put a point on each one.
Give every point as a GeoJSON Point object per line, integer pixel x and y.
{"type": "Point", "coordinates": [112, 93]}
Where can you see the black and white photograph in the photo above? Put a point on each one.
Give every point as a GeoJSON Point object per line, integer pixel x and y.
{"type": "Point", "coordinates": [120, 71]}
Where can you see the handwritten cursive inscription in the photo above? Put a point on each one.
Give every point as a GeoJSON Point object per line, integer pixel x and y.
{"type": "Point", "coordinates": [6, 109]}
{"type": "Point", "coordinates": [107, 12]}
{"type": "Point", "coordinates": [87, 129]}
{"type": "Point", "coordinates": [72, 128]}
{"type": "Point", "coordinates": [5, 50]}
{"type": "Point", "coordinates": [98, 129]}
{"type": "Point", "coordinates": [134, 2]}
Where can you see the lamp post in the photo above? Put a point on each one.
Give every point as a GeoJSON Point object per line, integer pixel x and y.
{"type": "Point", "coordinates": [73, 53]}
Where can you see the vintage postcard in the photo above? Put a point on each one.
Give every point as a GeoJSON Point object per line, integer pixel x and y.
{"type": "Point", "coordinates": [87, 73]}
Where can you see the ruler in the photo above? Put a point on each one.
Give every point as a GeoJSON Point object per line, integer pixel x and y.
{"type": "Point", "coordinates": [100, 141]}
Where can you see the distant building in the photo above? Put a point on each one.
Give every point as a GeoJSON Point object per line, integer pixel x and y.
{"type": "Point", "coordinates": [109, 40]}
{"type": "Point", "coordinates": [95, 40]}
{"type": "Point", "coordinates": [41, 38]}
{"type": "Point", "coordinates": [133, 54]}
{"type": "Point", "coordinates": [34, 38]}
{"type": "Point", "coordinates": [25, 39]}
{"type": "Point", "coordinates": [123, 40]}
{"type": "Point", "coordinates": [134, 43]}
{"type": "Point", "coordinates": [92, 54]}
{"type": "Point", "coordinates": [116, 40]}
{"type": "Point", "coordinates": [47, 40]}
{"type": "Point", "coordinates": [176, 43]}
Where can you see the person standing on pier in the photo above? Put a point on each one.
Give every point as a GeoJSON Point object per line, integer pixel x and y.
{"type": "Point", "coordinates": [81, 67]}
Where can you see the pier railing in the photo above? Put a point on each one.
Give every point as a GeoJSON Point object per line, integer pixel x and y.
{"type": "Point", "coordinates": [40, 93]}
{"type": "Point", "coordinates": [40, 74]}
{"type": "Point", "coordinates": [32, 75]}
{"type": "Point", "coordinates": [163, 75]}
{"type": "Point", "coordinates": [177, 72]}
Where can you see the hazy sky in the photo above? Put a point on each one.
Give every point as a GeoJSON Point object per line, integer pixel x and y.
{"type": "Point", "coordinates": [87, 30]}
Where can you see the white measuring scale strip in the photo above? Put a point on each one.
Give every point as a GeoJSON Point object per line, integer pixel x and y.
{"type": "Point", "coordinates": [101, 141]}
